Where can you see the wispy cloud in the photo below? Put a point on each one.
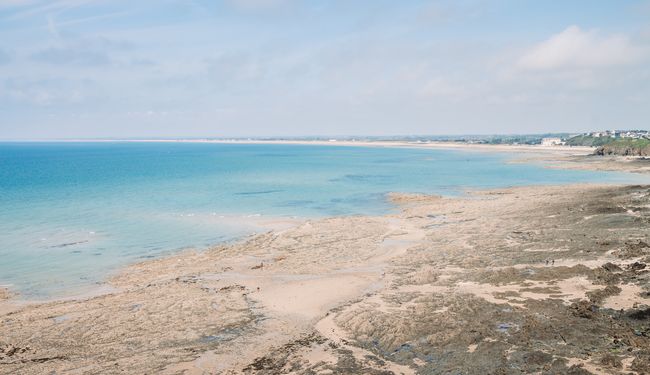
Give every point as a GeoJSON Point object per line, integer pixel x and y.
{"type": "Point", "coordinates": [45, 92]}
{"type": "Point", "coordinates": [71, 56]}
{"type": "Point", "coordinates": [89, 51]}
{"type": "Point", "coordinates": [305, 66]}
{"type": "Point", "coordinates": [577, 48]}
{"type": "Point", "coordinates": [5, 58]}
{"type": "Point", "coordinates": [93, 18]}
{"type": "Point", "coordinates": [16, 3]}
{"type": "Point", "coordinates": [52, 27]}
{"type": "Point", "coordinates": [258, 4]}
{"type": "Point", "coordinates": [27, 8]}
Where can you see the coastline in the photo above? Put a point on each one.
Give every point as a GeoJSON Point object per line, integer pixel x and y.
{"type": "Point", "coordinates": [551, 156]}
{"type": "Point", "coordinates": [560, 157]}
{"type": "Point", "coordinates": [374, 294]}
{"type": "Point", "coordinates": [271, 187]}
{"type": "Point", "coordinates": [572, 150]}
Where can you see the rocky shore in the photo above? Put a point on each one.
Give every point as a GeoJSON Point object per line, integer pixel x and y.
{"type": "Point", "coordinates": [625, 147]}
{"type": "Point", "coordinates": [526, 280]}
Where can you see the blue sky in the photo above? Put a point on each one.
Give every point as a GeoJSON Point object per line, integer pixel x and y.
{"type": "Point", "coordinates": [166, 68]}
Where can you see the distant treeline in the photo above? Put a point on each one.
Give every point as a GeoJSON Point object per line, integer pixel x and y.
{"type": "Point", "coordinates": [528, 139]}
{"type": "Point", "coordinates": [587, 140]}
{"type": "Point", "coordinates": [514, 139]}
{"type": "Point", "coordinates": [496, 139]}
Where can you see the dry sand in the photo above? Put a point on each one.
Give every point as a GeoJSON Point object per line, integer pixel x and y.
{"type": "Point", "coordinates": [564, 150]}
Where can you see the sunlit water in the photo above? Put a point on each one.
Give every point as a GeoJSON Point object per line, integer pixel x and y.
{"type": "Point", "coordinates": [71, 213]}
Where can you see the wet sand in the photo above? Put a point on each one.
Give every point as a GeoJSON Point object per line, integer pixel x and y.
{"type": "Point", "coordinates": [580, 161]}
{"type": "Point", "coordinates": [446, 285]}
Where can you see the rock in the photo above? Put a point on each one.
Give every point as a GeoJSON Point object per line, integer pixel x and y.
{"type": "Point", "coordinates": [611, 267]}
{"type": "Point", "coordinates": [638, 245]}
{"type": "Point", "coordinates": [584, 309]}
{"type": "Point", "coordinates": [538, 358]}
{"type": "Point", "coordinates": [641, 363]}
{"type": "Point", "coordinates": [597, 296]}
{"type": "Point", "coordinates": [636, 266]}
{"type": "Point", "coordinates": [610, 360]}
{"type": "Point", "coordinates": [578, 370]}
{"type": "Point", "coordinates": [640, 314]}
{"type": "Point", "coordinates": [633, 250]}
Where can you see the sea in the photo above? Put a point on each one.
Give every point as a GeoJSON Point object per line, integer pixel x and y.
{"type": "Point", "coordinates": [72, 214]}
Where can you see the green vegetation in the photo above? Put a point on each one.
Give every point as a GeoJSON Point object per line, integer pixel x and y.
{"type": "Point", "coordinates": [625, 147]}
{"type": "Point", "coordinates": [521, 139]}
{"type": "Point", "coordinates": [587, 140]}
{"type": "Point", "coordinates": [517, 139]}
{"type": "Point", "coordinates": [613, 146]}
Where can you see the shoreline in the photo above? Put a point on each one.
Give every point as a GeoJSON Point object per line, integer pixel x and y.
{"type": "Point", "coordinates": [347, 289]}
{"type": "Point", "coordinates": [432, 144]}
{"type": "Point", "coordinates": [374, 294]}
{"type": "Point", "coordinates": [10, 298]}
{"type": "Point", "coordinates": [538, 154]}
{"type": "Point", "coordinates": [562, 157]}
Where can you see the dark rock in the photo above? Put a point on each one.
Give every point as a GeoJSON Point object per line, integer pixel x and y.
{"type": "Point", "coordinates": [636, 266]}
{"type": "Point", "coordinates": [640, 314]}
{"type": "Point", "coordinates": [584, 309]}
{"type": "Point", "coordinates": [610, 360]}
{"type": "Point", "coordinates": [611, 267]}
{"type": "Point", "coordinates": [537, 358]}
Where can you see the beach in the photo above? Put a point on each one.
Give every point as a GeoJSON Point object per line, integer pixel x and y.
{"type": "Point", "coordinates": [556, 156]}
{"type": "Point", "coordinates": [548, 279]}
{"type": "Point", "coordinates": [324, 187]}
{"type": "Point", "coordinates": [566, 150]}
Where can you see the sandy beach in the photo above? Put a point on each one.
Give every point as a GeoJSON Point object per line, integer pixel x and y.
{"type": "Point", "coordinates": [577, 150]}
{"type": "Point", "coordinates": [531, 279]}
{"type": "Point", "coordinates": [563, 157]}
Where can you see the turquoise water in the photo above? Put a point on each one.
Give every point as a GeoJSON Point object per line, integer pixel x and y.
{"type": "Point", "coordinates": [71, 213]}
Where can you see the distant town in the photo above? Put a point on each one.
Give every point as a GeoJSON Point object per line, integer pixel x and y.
{"type": "Point", "coordinates": [604, 142]}
{"type": "Point", "coordinates": [596, 138]}
{"type": "Point", "coordinates": [635, 134]}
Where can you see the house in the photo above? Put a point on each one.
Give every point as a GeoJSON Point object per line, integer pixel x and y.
{"type": "Point", "coordinates": [552, 141]}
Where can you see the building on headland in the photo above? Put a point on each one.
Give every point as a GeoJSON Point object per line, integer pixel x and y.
{"type": "Point", "coordinates": [552, 141]}
{"type": "Point", "coordinates": [634, 134]}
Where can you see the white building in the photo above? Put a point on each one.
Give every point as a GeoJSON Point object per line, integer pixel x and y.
{"type": "Point", "coordinates": [552, 141]}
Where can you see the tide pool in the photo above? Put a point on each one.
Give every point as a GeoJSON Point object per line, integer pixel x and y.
{"type": "Point", "coordinates": [71, 213]}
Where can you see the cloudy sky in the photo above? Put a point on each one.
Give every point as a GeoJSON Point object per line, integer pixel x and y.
{"type": "Point", "coordinates": [164, 68]}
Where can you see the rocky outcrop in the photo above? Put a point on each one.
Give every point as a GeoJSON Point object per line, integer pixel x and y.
{"type": "Point", "coordinates": [629, 148]}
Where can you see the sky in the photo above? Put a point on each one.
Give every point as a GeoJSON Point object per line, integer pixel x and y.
{"type": "Point", "coordinates": [245, 68]}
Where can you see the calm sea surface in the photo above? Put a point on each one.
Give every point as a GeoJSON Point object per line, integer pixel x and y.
{"type": "Point", "coordinates": [71, 213]}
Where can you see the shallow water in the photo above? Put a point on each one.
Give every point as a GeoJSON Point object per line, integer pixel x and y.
{"type": "Point", "coordinates": [70, 213]}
